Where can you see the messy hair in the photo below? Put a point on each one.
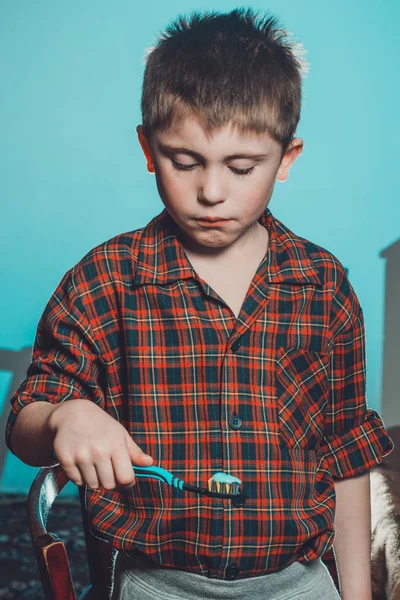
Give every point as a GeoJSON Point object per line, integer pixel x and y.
{"type": "Point", "coordinates": [225, 68]}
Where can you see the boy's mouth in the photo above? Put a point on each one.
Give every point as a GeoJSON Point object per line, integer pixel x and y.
{"type": "Point", "coordinates": [212, 222]}
{"type": "Point", "coordinates": [212, 219]}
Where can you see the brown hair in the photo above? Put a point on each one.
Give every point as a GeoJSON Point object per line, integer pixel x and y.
{"type": "Point", "coordinates": [221, 68]}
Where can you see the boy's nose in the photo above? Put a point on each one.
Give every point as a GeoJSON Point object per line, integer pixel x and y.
{"type": "Point", "coordinates": [212, 189]}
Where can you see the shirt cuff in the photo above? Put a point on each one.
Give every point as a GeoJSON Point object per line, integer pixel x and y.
{"type": "Point", "coordinates": [359, 449]}
{"type": "Point", "coordinates": [12, 417]}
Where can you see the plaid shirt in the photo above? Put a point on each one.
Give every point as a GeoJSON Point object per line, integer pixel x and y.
{"type": "Point", "coordinates": [275, 397]}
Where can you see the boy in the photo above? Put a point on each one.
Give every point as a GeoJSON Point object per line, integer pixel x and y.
{"type": "Point", "coordinates": [232, 345]}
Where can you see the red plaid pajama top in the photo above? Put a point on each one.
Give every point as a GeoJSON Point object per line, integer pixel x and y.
{"type": "Point", "coordinates": [275, 397]}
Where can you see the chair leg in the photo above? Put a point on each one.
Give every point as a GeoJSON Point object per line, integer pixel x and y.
{"type": "Point", "coordinates": [100, 555]}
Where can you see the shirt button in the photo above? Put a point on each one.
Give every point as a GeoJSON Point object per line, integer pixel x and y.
{"type": "Point", "coordinates": [235, 346]}
{"type": "Point", "coordinates": [232, 571]}
{"type": "Point", "coordinates": [235, 422]}
{"type": "Point", "coordinates": [239, 500]}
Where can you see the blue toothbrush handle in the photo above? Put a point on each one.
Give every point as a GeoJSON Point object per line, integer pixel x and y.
{"type": "Point", "coordinates": [160, 474]}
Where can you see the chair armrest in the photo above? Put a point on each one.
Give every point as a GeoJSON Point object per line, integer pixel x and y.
{"type": "Point", "coordinates": [45, 488]}
{"type": "Point", "coordinates": [50, 551]}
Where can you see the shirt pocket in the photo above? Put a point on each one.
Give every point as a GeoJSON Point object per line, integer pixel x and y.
{"type": "Point", "coordinates": [302, 392]}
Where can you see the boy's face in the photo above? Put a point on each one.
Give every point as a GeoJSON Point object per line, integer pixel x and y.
{"type": "Point", "coordinates": [211, 187]}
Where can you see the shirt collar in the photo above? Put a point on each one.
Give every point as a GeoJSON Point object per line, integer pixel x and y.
{"type": "Point", "coordinates": [162, 259]}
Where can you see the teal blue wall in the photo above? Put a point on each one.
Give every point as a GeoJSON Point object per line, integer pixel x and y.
{"type": "Point", "coordinates": [72, 173]}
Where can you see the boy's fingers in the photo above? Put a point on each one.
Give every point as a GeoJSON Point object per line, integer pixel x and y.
{"type": "Point", "coordinates": [137, 456]}
{"type": "Point", "coordinates": [80, 475]}
{"type": "Point", "coordinates": [105, 474]}
{"type": "Point", "coordinates": [123, 468]}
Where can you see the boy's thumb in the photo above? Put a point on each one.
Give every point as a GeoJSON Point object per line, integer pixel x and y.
{"type": "Point", "coordinates": [137, 455]}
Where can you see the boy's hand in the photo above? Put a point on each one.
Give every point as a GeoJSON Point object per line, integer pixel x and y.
{"type": "Point", "coordinates": [92, 447]}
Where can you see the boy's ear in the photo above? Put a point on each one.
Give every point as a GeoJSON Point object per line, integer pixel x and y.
{"type": "Point", "coordinates": [294, 149]}
{"type": "Point", "coordinates": [146, 148]}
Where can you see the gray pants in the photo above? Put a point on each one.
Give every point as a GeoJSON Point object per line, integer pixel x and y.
{"type": "Point", "coordinates": [307, 581]}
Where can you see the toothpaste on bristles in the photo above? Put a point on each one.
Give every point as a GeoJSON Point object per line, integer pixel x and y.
{"type": "Point", "coordinates": [224, 483]}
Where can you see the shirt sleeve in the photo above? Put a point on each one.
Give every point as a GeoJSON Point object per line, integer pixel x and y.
{"type": "Point", "coordinates": [355, 438]}
{"type": "Point", "coordinates": [66, 360]}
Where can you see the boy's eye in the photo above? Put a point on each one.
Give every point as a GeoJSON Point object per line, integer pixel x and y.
{"type": "Point", "coordinates": [181, 167]}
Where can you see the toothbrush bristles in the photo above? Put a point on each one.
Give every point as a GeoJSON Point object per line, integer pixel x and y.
{"type": "Point", "coordinates": [224, 484]}
{"type": "Point", "coordinates": [234, 488]}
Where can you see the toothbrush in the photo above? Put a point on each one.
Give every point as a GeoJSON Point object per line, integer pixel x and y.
{"type": "Point", "coordinates": [220, 485]}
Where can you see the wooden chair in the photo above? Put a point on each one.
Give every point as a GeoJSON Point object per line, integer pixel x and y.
{"type": "Point", "coordinates": [51, 554]}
